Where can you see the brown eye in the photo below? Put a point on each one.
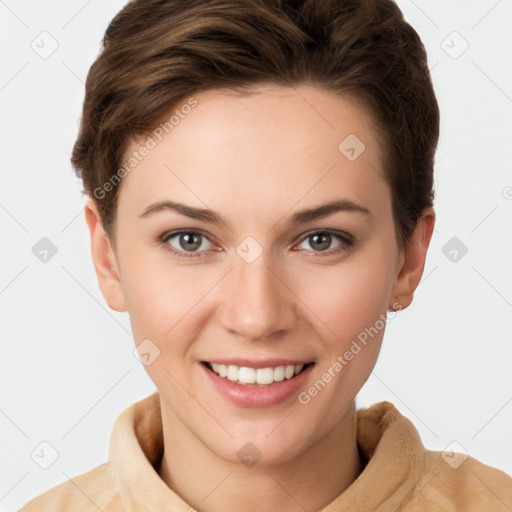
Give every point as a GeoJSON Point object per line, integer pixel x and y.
{"type": "Point", "coordinates": [189, 241]}
{"type": "Point", "coordinates": [182, 242]}
{"type": "Point", "coordinates": [321, 242]}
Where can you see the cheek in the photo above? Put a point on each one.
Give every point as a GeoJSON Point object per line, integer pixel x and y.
{"type": "Point", "coordinates": [165, 301]}
{"type": "Point", "coordinates": [349, 297]}
{"type": "Point", "coordinates": [154, 299]}
{"type": "Point", "coordinates": [352, 303]}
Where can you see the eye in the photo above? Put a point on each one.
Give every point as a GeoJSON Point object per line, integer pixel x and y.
{"type": "Point", "coordinates": [186, 244]}
{"type": "Point", "coordinates": [320, 241]}
{"type": "Point", "coordinates": [194, 243]}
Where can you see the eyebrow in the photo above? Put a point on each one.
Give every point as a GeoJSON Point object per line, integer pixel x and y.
{"type": "Point", "coordinates": [300, 217]}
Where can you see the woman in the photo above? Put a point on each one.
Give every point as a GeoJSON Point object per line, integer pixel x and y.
{"type": "Point", "coordinates": [260, 176]}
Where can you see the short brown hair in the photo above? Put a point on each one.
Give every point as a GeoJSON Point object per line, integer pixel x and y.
{"type": "Point", "coordinates": [156, 53]}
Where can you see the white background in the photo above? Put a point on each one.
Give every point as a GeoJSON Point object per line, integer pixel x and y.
{"type": "Point", "coordinates": [67, 368]}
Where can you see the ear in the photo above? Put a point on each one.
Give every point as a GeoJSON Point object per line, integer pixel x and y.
{"type": "Point", "coordinates": [104, 260]}
{"type": "Point", "coordinates": [413, 260]}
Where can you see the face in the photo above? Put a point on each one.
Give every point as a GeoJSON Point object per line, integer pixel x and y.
{"type": "Point", "coordinates": [242, 276]}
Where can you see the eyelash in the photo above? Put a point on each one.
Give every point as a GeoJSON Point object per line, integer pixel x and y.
{"type": "Point", "coordinates": [347, 240]}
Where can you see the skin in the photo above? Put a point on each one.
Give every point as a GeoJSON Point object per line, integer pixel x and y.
{"type": "Point", "coordinates": [256, 160]}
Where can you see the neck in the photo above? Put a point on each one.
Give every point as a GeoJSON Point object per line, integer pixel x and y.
{"type": "Point", "coordinates": [210, 483]}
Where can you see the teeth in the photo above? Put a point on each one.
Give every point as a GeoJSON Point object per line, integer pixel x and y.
{"type": "Point", "coordinates": [233, 372]}
{"type": "Point", "coordinates": [279, 373]}
{"type": "Point", "coordinates": [289, 371]}
{"type": "Point", "coordinates": [261, 376]}
{"type": "Point", "coordinates": [246, 375]}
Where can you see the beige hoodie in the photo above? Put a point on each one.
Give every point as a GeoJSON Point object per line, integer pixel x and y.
{"type": "Point", "coordinates": [401, 475]}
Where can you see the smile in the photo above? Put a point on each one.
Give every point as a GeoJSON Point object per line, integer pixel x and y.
{"type": "Point", "coordinates": [245, 375]}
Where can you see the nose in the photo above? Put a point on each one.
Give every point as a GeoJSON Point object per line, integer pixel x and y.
{"type": "Point", "coordinates": [256, 300]}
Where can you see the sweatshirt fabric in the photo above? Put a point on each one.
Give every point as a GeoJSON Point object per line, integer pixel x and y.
{"type": "Point", "coordinates": [399, 475]}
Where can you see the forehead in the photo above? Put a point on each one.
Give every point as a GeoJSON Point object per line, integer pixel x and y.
{"type": "Point", "coordinates": [277, 144]}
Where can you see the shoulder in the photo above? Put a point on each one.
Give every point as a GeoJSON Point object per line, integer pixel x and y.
{"type": "Point", "coordinates": [456, 481]}
{"type": "Point", "coordinates": [419, 479]}
{"type": "Point", "coordinates": [91, 491]}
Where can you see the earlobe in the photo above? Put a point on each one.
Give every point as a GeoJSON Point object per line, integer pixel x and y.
{"type": "Point", "coordinates": [104, 260]}
{"type": "Point", "coordinates": [414, 258]}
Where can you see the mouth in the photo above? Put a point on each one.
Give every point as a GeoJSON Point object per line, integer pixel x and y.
{"type": "Point", "coordinates": [257, 377]}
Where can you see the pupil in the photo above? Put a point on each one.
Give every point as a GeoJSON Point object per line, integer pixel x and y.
{"type": "Point", "coordinates": [189, 241]}
{"type": "Point", "coordinates": [326, 242]}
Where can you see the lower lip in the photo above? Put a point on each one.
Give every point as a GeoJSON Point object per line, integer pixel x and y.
{"type": "Point", "coordinates": [257, 396]}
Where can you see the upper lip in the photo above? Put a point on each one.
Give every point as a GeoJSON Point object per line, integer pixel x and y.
{"type": "Point", "coordinates": [261, 363]}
